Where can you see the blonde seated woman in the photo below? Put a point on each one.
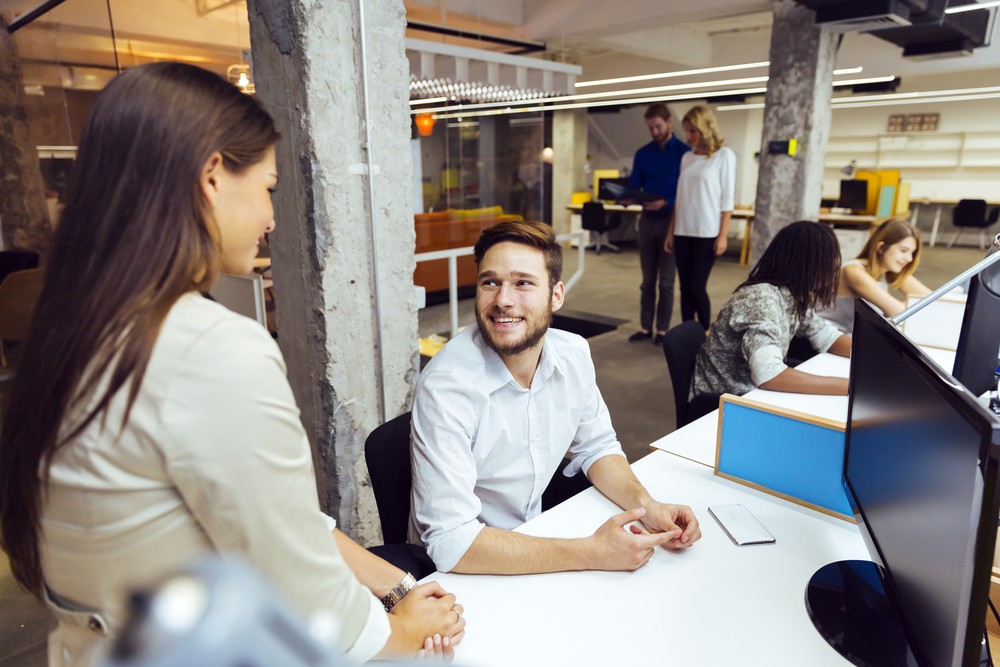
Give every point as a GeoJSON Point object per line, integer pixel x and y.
{"type": "Point", "coordinates": [889, 259]}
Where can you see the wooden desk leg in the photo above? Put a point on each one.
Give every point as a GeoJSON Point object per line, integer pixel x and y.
{"type": "Point", "coordinates": [745, 250]}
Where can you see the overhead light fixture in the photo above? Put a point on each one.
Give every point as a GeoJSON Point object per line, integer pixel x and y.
{"type": "Point", "coordinates": [890, 99]}
{"type": "Point", "coordinates": [425, 124]}
{"type": "Point", "coordinates": [694, 72]}
{"type": "Point", "coordinates": [604, 103]}
{"type": "Point", "coordinates": [667, 75]}
{"type": "Point", "coordinates": [973, 7]}
{"type": "Point", "coordinates": [860, 82]}
{"type": "Point", "coordinates": [429, 100]}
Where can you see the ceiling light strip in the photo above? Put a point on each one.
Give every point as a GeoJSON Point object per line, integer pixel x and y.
{"type": "Point", "coordinates": [972, 7]}
{"type": "Point", "coordinates": [693, 72]}
{"type": "Point", "coordinates": [429, 100]}
{"type": "Point", "coordinates": [606, 94]}
{"type": "Point", "coordinates": [604, 103]}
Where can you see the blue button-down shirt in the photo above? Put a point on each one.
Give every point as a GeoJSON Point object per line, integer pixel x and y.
{"type": "Point", "coordinates": [656, 169]}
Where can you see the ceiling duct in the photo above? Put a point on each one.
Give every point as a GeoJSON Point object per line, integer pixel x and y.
{"type": "Point", "coordinates": [949, 36]}
{"type": "Point", "coordinates": [865, 15]}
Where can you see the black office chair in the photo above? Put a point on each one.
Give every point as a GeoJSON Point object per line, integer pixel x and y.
{"type": "Point", "coordinates": [16, 260]}
{"type": "Point", "coordinates": [387, 453]}
{"type": "Point", "coordinates": [680, 347]}
{"type": "Point", "coordinates": [972, 213]}
{"type": "Point", "coordinates": [598, 224]}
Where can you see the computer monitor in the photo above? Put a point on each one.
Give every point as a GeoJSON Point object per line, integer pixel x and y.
{"type": "Point", "coordinates": [920, 470]}
{"type": "Point", "coordinates": [979, 340]}
{"type": "Point", "coordinates": [853, 195]}
{"type": "Point", "coordinates": [603, 193]}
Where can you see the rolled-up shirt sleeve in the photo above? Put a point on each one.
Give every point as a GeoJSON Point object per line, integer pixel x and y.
{"type": "Point", "coordinates": [595, 438]}
{"type": "Point", "coordinates": [445, 507]}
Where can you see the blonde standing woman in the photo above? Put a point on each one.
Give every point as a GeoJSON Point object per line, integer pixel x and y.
{"type": "Point", "coordinates": [700, 223]}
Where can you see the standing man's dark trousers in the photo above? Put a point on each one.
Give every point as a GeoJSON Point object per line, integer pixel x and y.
{"type": "Point", "coordinates": [657, 272]}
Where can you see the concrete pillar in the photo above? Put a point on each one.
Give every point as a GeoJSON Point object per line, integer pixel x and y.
{"type": "Point", "coordinates": [569, 147]}
{"type": "Point", "coordinates": [343, 249]}
{"type": "Point", "coordinates": [797, 106]}
{"type": "Point", "coordinates": [24, 220]}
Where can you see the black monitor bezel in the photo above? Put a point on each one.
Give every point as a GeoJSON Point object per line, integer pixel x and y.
{"type": "Point", "coordinates": [963, 401]}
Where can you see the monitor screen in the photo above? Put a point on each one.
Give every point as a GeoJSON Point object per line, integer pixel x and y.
{"type": "Point", "coordinates": [921, 471]}
{"type": "Point", "coordinates": [853, 195]}
{"type": "Point", "coordinates": [979, 340]}
{"type": "Point", "coordinates": [602, 192]}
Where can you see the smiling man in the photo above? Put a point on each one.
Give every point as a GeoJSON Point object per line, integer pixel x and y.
{"type": "Point", "coordinates": [496, 411]}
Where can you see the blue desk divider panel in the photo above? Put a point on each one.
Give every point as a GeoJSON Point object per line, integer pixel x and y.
{"type": "Point", "coordinates": [788, 454]}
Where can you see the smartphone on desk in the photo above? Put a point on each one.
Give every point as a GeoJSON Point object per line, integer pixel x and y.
{"type": "Point", "coordinates": [741, 526]}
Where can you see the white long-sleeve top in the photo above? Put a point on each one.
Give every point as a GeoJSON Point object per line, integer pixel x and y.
{"type": "Point", "coordinates": [485, 448]}
{"type": "Point", "coordinates": [213, 458]}
{"type": "Point", "coordinates": [706, 188]}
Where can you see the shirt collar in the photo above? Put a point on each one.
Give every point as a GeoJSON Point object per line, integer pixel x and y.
{"type": "Point", "coordinates": [497, 373]}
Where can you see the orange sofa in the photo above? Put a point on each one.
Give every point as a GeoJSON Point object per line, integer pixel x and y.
{"type": "Point", "coordinates": [454, 228]}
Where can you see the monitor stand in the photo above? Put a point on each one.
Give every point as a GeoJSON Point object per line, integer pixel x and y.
{"type": "Point", "coordinates": [848, 604]}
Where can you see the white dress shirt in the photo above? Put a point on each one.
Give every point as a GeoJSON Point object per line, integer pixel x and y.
{"type": "Point", "coordinates": [213, 458]}
{"type": "Point", "coordinates": [485, 448]}
{"type": "Point", "coordinates": [706, 188]}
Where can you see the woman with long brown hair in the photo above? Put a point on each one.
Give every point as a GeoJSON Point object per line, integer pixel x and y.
{"type": "Point", "coordinates": [888, 259]}
{"type": "Point", "coordinates": [149, 424]}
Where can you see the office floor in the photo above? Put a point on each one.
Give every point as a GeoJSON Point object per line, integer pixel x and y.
{"type": "Point", "coordinates": [632, 376]}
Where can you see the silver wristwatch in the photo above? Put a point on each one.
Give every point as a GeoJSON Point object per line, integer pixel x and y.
{"type": "Point", "coordinates": [399, 592]}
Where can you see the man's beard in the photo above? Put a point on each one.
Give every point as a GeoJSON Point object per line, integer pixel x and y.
{"type": "Point", "coordinates": [529, 340]}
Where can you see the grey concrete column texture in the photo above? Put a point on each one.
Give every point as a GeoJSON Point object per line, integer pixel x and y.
{"type": "Point", "coordinates": [24, 220]}
{"type": "Point", "coordinates": [797, 105]}
{"type": "Point", "coordinates": [310, 73]}
{"type": "Point", "coordinates": [569, 146]}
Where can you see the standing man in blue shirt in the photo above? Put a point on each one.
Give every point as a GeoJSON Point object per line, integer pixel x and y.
{"type": "Point", "coordinates": [656, 167]}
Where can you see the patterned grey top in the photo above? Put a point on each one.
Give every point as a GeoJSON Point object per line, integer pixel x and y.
{"type": "Point", "coordinates": [749, 340]}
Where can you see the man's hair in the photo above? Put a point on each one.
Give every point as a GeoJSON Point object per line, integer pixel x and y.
{"type": "Point", "coordinates": [805, 258]}
{"type": "Point", "coordinates": [889, 233]}
{"type": "Point", "coordinates": [657, 110]}
{"type": "Point", "coordinates": [526, 232]}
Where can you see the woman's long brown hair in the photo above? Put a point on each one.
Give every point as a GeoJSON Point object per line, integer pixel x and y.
{"type": "Point", "coordinates": [135, 236]}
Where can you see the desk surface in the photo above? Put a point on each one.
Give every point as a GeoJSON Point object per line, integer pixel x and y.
{"type": "Point", "coordinates": [715, 604]}
{"type": "Point", "coordinates": [634, 208]}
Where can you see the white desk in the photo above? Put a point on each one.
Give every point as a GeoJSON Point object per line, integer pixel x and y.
{"type": "Point", "coordinates": [715, 604]}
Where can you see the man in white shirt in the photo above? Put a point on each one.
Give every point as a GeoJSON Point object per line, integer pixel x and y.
{"type": "Point", "coordinates": [495, 412]}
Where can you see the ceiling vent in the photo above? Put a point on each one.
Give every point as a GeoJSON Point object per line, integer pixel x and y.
{"type": "Point", "coordinates": [864, 15]}
{"type": "Point", "coordinates": [950, 36]}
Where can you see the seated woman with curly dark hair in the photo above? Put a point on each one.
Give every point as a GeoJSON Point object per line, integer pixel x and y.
{"type": "Point", "coordinates": [748, 343]}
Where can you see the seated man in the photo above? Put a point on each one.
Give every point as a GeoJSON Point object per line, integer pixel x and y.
{"type": "Point", "coordinates": [495, 412]}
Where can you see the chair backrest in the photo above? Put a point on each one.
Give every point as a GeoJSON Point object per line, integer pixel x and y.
{"type": "Point", "coordinates": [16, 260]}
{"type": "Point", "coordinates": [387, 453]}
{"type": "Point", "coordinates": [592, 216]}
{"type": "Point", "coordinates": [18, 296]}
{"type": "Point", "coordinates": [969, 213]}
{"type": "Point", "coordinates": [680, 347]}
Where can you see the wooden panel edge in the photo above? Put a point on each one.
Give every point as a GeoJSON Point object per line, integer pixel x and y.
{"type": "Point", "coordinates": [781, 412]}
{"type": "Point", "coordinates": [783, 496]}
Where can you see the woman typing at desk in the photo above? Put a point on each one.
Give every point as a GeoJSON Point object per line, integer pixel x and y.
{"type": "Point", "coordinates": [149, 425]}
{"type": "Point", "coordinates": [888, 259]}
{"type": "Point", "coordinates": [747, 345]}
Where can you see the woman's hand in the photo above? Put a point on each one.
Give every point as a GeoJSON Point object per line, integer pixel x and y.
{"type": "Point", "coordinates": [721, 244]}
{"type": "Point", "coordinates": [428, 612]}
{"type": "Point", "coordinates": [668, 242]}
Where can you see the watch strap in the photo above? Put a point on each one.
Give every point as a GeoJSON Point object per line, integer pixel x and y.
{"type": "Point", "coordinates": [399, 592]}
